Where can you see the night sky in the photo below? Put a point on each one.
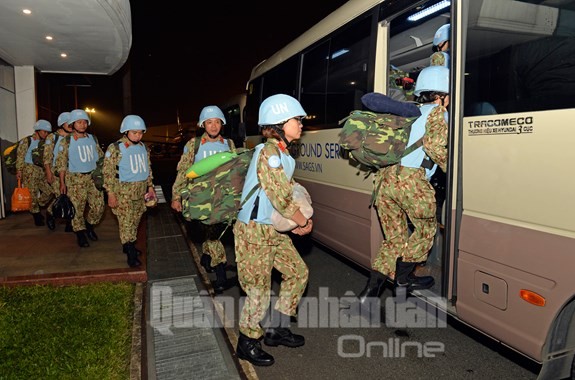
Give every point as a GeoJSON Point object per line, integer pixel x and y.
{"type": "Point", "coordinates": [187, 59]}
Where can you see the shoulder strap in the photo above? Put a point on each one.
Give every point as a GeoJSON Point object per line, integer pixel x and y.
{"type": "Point", "coordinates": [197, 142]}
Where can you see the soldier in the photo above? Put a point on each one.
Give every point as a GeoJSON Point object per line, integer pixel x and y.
{"type": "Point", "coordinates": [76, 159]}
{"type": "Point", "coordinates": [440, 57]}
{"type": "Point", "coordinates": [128, 182]}
{"type": "Point", "coordinates": [213, 253]}
{"type": "Point", "coordinates": [259, 247]}
{"type": "Point", "coordinates": [32, 176]}
{"type": "Point", "coordinates": [405, 192]}
{"type": "Point", "coordinates": [51, 145]}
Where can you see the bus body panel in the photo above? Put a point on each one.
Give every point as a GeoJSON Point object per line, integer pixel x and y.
{"type": "Point", "coordinates": [520, 258]}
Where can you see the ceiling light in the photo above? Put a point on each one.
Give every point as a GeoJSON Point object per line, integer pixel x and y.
{"type": "Point", "coordinates": [27, 11]}
{"type": "Point", "coordinates": [63, 55]}
{"type": "Point", "coordinates": [427, 11]}
{"type": "Point", "coordinates": [49, 38]}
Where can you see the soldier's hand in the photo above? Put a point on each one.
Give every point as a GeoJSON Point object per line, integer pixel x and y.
{"type": "Point", "coordinates": [112, 200]}
{"type": "Point", "coordinates": [304, 230]}
{"type": "Point", "coordinates": [49, 177]}
{"type": "Point", "coordinates": [177, 206]}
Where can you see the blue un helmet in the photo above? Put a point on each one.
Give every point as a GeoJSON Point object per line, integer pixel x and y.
{"type": "Point", "coordinates": [442, 34]}
{"type": "Point", "coordinates": [64, 117]}
{"type": "Point", "coordinates": [132, 122]}
{"type": "Point", "coordinates": [43, 125]}
{"type": "Point", "coordinates": [210, 112]}
{"type": "Point", "coordinates": [278, 109]}
{"type": "Point", "coordinates": [432, 78]}
{"type": "Point", "coordinates": [78, 114]}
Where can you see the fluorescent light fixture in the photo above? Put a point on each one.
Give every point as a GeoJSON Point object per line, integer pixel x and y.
{"type": "Point", "coordinates": [427, 11]}
{"type": "Point", "coordinates": [339, 53]}
{"type": "Point", "coordinates": [49, 38]}
{"type": "Point", "coordinates": [27, 11]}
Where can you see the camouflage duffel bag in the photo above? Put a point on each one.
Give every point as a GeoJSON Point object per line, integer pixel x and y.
{"type": "Point", "coordinates": [215, 197]}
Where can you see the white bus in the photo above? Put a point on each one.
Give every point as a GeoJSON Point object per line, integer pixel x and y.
{"type": "Point", "coordinates": [233, 109]}
{"type": "Point", "coordinates": [504, 256]}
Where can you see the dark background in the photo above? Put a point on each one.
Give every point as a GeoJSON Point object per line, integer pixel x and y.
{"type": "Point", "coordinates": [181, 60]}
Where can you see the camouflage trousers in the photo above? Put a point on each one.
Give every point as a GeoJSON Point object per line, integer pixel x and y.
{"type": "Point", "coordinates": [55, 190]}
{"type": "Point", "coordinates": [404, 193]}
{"type": "Point", "coordinates": [81, 191]}
{"type": "Point", "coordinates": [212, 244]}
{"type": "Point", "coordinates": [129, 213]}
{"type": "Point", "coordinates": [34, 179]}
{"type": "Point", "coordinates": [260, 248]}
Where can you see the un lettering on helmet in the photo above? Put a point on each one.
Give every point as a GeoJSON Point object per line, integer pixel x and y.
{"type": "Point", "coordinates": [279, 108]}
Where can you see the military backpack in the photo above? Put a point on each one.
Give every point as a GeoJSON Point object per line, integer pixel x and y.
{"type": "Point", "coordinates": [376, 140]}
{"type": "Point", "coordinates": [38, 152]}
{"type": "Point", "coordinates": [10, 155]}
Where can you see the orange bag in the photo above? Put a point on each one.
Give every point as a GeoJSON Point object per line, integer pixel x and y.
{"type": "Point", "coordinates": [21, 198]}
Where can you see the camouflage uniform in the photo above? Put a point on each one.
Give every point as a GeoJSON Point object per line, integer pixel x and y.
{"type": "Point", "coordinates": [32, 175]}
{"type": "Point", "coordinates": [211, 245]}
{"type": "Point", "coordinates": [49, 161]}
{"type": "Point", "coordinates": [80, 188]}
{"type": "Point", "coordinates": [130, 195]}
{"type": "Point", "coordinates": [260, 248]}
{"type": "Point", "coordinates": [406, 192]}
{"type": "Point", "coordinates": [439, 58]}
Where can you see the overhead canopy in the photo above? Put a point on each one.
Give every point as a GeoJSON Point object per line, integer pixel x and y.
{"type": "Point", "coordinates": [95, 35]}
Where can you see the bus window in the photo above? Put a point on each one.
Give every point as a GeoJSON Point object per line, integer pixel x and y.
{"type": "Point", "coordinates": [334, 76]}
{"type": "Point", "coordinates": [528, 67]}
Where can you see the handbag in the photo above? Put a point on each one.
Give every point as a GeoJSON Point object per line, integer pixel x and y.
{"type": "Point", "coordinates": [21, 198]}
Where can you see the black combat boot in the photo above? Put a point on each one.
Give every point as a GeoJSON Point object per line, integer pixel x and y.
{"type": "Point", "coordinates": [251, 350]}
{"type": "Point", "coordinates": [132, 255]}
{"type": "Point", "coordinates": [222, 283]}
{"type": "Point", "coordinates": [90, 232]}
{"type": "Point", "coordinates": [81, 237]}
{"type": "Point", "coordinates": [404, 277]}
{"type": "Point", "coordinates": [279, 333]}
{"type": "Point", "coordinates": [373, 287]}
{"type": "Point", "coordinates": [206, 262]}
{"type": "Point", "coordinates": [125, 248]}
{"type": "Point", "coordinates": [38, 218]}
{"type": "Point", "coordinates": [68, 227]}
{"type": "Point", "coordinates": [50, 221]}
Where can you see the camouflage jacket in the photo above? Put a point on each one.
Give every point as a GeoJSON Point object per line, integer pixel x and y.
{"type": "Point", "coordinates": [435, 138]}
{"type": "Point", "coordinates": [49, 146]}
{"type": "Point", "coordinates": [186, 160]}
{"type": "Point", "coordinates": [23, 149]}
{"type": "Point", "coordinates": [112, 183]}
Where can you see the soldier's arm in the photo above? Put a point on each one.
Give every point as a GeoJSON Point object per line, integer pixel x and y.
{"type": "Point", "coordinates": [150, 180]}
{"type": "Point", "coordinates": [21, 154]}
{"type": "Point", "coordinates": [48, 156]}
{"type": "Point", "coordinates": [62, 164]}
{"type": "Point", "coordinates": [435, 138]}
{"type": "Point", "coordinates": [186, 160]}
{"type": "Point", "coordinates": [111, 160]}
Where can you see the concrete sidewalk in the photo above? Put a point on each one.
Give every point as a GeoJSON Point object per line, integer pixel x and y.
{"type": "Point", "coordinates": [35, 255]}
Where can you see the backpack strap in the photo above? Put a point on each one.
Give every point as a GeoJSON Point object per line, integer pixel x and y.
{"type": "Point", "coordinates": [197, 143]}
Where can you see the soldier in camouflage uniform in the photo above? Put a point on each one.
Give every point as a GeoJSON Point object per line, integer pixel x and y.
{"type": "Point", "coordinates": [404, 191]}
{"type": "Point", "coordinates": [127, 180]}
{"type": "Point", "coordinates": [440, 57]}
{"type": "Point", "coordinates": [76, 159]}
{"type": "Point", "coordinates": [214, 255]}
{"type": "Point", "coordinates": [51, 145]}
{"type": "Point", "coordinates": [32, 176]}
{"type": "Point", "coordinates": [259, 247]}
